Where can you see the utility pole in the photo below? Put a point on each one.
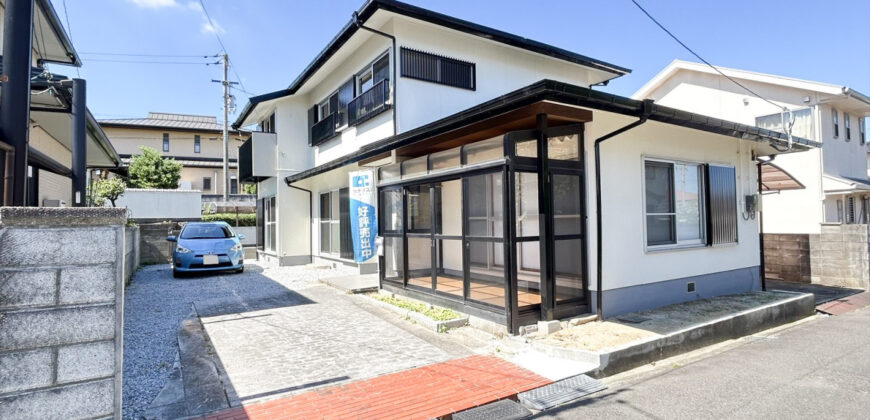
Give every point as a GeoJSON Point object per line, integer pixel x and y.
{"type": "Point", "coordinates": [226, 97]}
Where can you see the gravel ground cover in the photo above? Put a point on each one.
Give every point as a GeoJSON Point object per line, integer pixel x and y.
{"type": "Point", "coordinates": [155, 303]}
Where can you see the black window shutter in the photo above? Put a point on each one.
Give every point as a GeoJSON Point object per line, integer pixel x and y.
{"type": "Point", "coordinates": [721, 205]}
{"type": "Point", "coordinates": [345, 95]}
{"type": "Point", "coordinates": [312, 119]}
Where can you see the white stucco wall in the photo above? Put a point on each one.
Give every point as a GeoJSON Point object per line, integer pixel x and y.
{"type": "Point", "coordinates": [625, 260]}
{"type": "Point", "coordinates": [841, 157]}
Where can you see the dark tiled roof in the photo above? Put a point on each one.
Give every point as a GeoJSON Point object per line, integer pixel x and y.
{"type": "Point", "coordinates": [167, 120]}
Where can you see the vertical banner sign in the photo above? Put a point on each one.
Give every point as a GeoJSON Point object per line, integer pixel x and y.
{"type": "Point", "coordinates": [363, 217]}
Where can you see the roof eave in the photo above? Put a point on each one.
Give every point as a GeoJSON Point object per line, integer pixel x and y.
{"type": "Point", "coordinates": [60, 32]}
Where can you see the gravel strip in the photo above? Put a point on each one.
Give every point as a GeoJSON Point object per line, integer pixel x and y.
{"type": "Point", "coordinates": [155, 303]}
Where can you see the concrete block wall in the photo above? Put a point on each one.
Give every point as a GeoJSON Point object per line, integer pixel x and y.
{"type": "Point", "coordinates": [787, 257]}
{"type": "Point", "coordinates": [61, 312]}
{"type": "Point", "coordinates": [153, 246]}
{"type": "Point", "coordinates": [840, 256]}
{"type": "Point", "coordinates": [131, 252]}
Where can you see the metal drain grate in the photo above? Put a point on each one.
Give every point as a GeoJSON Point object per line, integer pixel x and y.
{"type": "Point", "coordinates": [560, 392]}
{"type": "Point", "coordinates": [499, 410]}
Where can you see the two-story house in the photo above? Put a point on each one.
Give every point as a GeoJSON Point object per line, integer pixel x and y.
{"type": "Point", "coordinates": [832, 185]}
{"type": "Point", "coordinates": [194, 141]}
{"type": "Point", "coordinates": [484, 150]}
{"type": "Point", "coordinates": [48, 137]}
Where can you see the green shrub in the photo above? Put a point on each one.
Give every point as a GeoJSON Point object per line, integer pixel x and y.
{"type": "Point", "coordinates": [245, 219]}
{"type": "Point", "coordinates": [438, 314]}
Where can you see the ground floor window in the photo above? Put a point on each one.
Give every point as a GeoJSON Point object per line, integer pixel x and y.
{"type": "Point", "coordinates": [673, 203]}
{"type": "Point", "coordinates": [335, 234]}
{"type": "Point", "coordinates": [270, 224]}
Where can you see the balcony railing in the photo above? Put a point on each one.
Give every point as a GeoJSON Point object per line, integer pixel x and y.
{"type": "Point", "coordinates": [369, 103]}
{"type": "Point", "coordinates": [323, 130]}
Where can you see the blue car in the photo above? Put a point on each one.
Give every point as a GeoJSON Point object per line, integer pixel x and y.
{"type": "Point", "coordinates": [206, 246]}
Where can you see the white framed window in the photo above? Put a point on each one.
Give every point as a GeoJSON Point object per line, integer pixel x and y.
{"type": "Point", "coordinates": [673, 204]}
{"type": "Point", "coordinates": [850, 210]}
{"type": "Point", "coordinates": [862, 130]}
{"type": "Point", "coordinates": [835, 119]}
{"type": "Point", "coordinates": [373, 73]}
{"type": "Point", "coordinates": [270, 225]}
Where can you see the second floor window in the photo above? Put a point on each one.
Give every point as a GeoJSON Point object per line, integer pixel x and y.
{"type": "Point", "coordinates": [437, 69]}
{"type": "Point", "coordinates": [862, 130]}
{"type": "Point", "coordinates": [165, 142]}
{"type": "Point", "coordinates": [206, 184]}
{"type": "Point", "coordinates": [374, 73]}
{"type": "Point", "coordinates": [836, 120]}
{"type": "Point", "coordinates": [196, 144]}
{"type": "Point", "coordinates": [848, 126]}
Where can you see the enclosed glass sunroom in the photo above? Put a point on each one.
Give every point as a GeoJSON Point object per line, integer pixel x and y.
{"type": "Point", "coordinates": [490, 227]}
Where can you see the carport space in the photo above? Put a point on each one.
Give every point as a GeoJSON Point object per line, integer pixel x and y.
{"type": "Point", "coordinates": [274, 331]}
{"type": "Point", "coordinates": [325, 339]}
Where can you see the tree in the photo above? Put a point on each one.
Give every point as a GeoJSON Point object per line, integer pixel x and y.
{"type": "Point", "coordinates": [150, 170]}
{"type": "Point", "coordinates": [109, 189]}
{"type": "Point", "coordinates": [249, 189]}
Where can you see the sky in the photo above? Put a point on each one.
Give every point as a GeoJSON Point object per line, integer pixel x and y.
{"type": "Point", "coordinates": [270, 41]}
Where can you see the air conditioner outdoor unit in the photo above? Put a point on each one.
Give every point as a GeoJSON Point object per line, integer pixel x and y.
{"type": "Point", "coordinates": [53, 203]}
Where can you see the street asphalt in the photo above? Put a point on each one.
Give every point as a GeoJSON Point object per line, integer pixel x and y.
{"type": "Point", "coordinates": [815, 369]}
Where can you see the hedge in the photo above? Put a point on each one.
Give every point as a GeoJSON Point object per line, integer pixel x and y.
{"type": "Point", "coordinates": [245, 219]}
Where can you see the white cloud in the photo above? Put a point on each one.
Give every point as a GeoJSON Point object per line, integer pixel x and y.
{"type": "Point", "coordinates": [213, 27]}
{"type": "Point", "coordinates": [154, 4]}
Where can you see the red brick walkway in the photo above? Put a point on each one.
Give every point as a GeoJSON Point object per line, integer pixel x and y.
{"type": "Point", "coordinates": [846, 304]}
{"type": "Point", "coordinates": [421, 393]}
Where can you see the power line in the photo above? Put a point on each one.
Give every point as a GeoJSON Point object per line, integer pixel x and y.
{"type": "Point", "coordinates": [69, 28]}
{"type": "Point", "coordinates": [149, 62]}
{"type": "Point", "coordinates": [703, 60]}
{"type": "Point", "coordinates": [149, 55]}
{"type": "Point", "coordinates": [221, 42]}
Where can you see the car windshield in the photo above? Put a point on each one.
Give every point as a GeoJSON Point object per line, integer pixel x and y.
{"type": "Point", "coordinates": [206, 232]}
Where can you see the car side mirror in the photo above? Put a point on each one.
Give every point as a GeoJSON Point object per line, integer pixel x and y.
{"type": "Point", "coordinates": [241, 236]}
{"type": "Point", "coordinates": [171, 238]}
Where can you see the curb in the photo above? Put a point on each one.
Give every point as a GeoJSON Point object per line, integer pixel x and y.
{"type": "Point", "coordinates": [743, 323]}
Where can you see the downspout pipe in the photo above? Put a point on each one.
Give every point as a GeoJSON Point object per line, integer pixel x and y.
{"type": "Point", "coordinates": [645, 111]}
{"type": "Point", "coordinates": [761, 268]}
{"type": "Point", "coordinates": [359, 24]}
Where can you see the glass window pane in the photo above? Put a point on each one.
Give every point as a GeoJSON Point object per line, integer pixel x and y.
{"type": "Point", "coordinates": [660, 230]}
{"type": "Point", "coordinates": [416, 166]}
{"type": "Point", "coordinates": [527, 204]}
{"type": "Point", "coordinates": [528, 273]}
{"type": "Point", "coordinates": [659, 187]}
{"type": "Point", "coordinates": [271, 210]}
{"type": "Point", "coordinates": [448, 266]}
{"type": "Point", "coordinates": [418, 208]}
{"type": "Point", "coordinates": [527, 148]}
{"type": "Point", "coordinates": [391, 209]}
{"type": "Point", "coordinates": [390, 172]}
{"type": "Point", "coordinates": [569, 269]}
{"type": "Point", "coordinates": [448, 207]}
{"type": "Point", "coordinates": [484, 151]}
{"type": "Point", "coordinates": [324, 237]}
{"type": "Point", "coordinates": [567, 205]}
{"type": "Point", "coordinates": [381, 69]}
{"type": "Point", "coordinates": [688, 202]}
{"type": "Point", "coordinates": [420, 261]}
{"type": "Point", "coordinates": [325, 206]}
{"type": "Point", "coordinates": [335, 237]}
{"type": "Point", "coordinates": [564, 147]}
{"type": "Point", "coordinates": [445, 159]}
{"type": "Point", "coordinates": [393, 259]}
{"type": "Point", "coordinates": [486, 276]}
{"type": "Point", "coordinates": [484, 205]}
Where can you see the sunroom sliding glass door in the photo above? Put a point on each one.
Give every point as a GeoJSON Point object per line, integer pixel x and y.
{"type": "Point", "coordinates": [484, 238]}
{"type": "Point", "coordinates": [419, 236]}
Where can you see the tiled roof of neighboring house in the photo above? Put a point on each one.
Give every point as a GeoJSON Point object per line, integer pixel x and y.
{"type": "Point", "coordinates": [167, 120]}
{"type": "Point", "coordinates": [193, 163]}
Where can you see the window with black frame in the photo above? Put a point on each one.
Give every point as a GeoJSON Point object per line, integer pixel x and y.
{"type": "Point", "coordinates": [391, 225]}
{"type": "Point", "coordinates": [485, 238]}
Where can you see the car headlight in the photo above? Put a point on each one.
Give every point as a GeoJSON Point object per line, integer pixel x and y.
{"type": "Point", "coordinates": [181, 250]}
{"type": "Point", "coordinates": [236, 247]}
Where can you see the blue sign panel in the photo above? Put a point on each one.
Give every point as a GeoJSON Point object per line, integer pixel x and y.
{"type": "Point", "coordinates": [363, 216]}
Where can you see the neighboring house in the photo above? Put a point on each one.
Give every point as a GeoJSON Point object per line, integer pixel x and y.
{"type": "Point", "coordinates": [832, 181]}
{"type": "Point", "coordinates": [195, 141]}
{"type": "Point", "coordinates": [482, 145]}
{"type": "Point", "coordinates": [46, 148]}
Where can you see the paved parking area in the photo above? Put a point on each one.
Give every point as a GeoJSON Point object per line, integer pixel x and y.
{"type": "Point", "coordinates": [275, 331]}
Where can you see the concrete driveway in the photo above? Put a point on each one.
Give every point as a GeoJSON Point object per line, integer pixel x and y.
{"type": "Point", "coordinates": [270, 331]}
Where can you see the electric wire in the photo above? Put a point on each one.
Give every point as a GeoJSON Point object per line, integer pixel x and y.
{"type": "Point", "coordinates": [116, 54]}
{"type": "Point", "coordinates": [221, 42]}
{"type": "Point", "coordinates": [784, 109]}
{"type": "Point", "coordinates": [69, 29]}
{"type": "Point", "coordinates": [106, 60]}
